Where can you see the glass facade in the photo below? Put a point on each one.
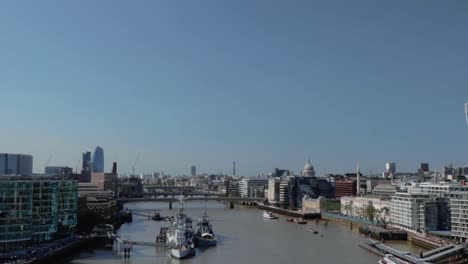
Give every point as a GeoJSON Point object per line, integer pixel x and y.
{"type": "Point", "coordinates": [67, 203]}
{"type": "Point", "coordinates": [33, 209]}
{"type": "Point", "coordinates": [15, 211]}
{"type": "Point", "coordinates": [98, 160]}
{"type": "Point", "coordinates": [15, 164]}
{"type": "Point", "coordinates": [45, 208]}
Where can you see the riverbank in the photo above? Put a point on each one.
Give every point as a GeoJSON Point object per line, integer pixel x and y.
{"type": "Point", "coordinates": [287, 212]}
{"type": "Point", "coordinates": [244, 236]}
{"type": "Point", "coordinates": [423, 242]}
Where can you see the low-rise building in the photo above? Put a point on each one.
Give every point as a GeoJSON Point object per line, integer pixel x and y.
{"type": "Point", "coordinates": [437, 189]}
{"type": "Point", "coordinates": [370, 208]}
{"type": "Point", "coordinates": [312, 205]}
{"type": "Point", "coordinates": [345, 188]}
{"type": "Point", "coordinates": [58, 170]}
{"type": "Point", "coordinates": [384, 191]}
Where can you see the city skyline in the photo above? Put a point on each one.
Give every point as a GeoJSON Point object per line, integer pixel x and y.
{"type": "Point", "coordinates": [267, 84]}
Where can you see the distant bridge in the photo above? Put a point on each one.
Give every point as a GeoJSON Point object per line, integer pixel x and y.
{"type": "Point", "coordinates": [171, 188]}
{"type": "Point", "coordinates": [196, 198]}
{"type": "Point", "coordinates": [174, 194]}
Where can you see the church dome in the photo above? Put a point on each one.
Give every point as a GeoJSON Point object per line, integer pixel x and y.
{"type": "Point", "coordinates": [308, 170]}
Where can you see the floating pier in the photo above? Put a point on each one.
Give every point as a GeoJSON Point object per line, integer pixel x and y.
{"type": "Point", "coordinates": [124, 247]}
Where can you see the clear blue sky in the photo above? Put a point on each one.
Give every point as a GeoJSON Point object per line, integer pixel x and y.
{"type": "Point", "coordinates": [266, 83]}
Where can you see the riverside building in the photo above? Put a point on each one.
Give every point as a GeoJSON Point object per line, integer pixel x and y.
{"type": "Point", "coordinates": [420, 212]}
{"type": "Point", "coordinates": [34, 208]}
{"type": "Point", "coordinates": [249, 187]}
{"type": "Point", "coordinates": [459, 215]}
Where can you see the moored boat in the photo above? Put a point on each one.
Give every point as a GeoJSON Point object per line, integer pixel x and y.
{"type": "Point", "coordinates": [269, 215]}
{"type": "Point", "coordinates": [204, 235]}
{"type": "Point", "coordinates": [390, 259]}
{"type": "Point", "coordinates": [179, 236]}
{"type": "Point", "coordinates": [300, 221]}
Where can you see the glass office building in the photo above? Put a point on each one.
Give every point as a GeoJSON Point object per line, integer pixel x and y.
{"type": "Point", "coordinates": [15, 212]}
{"type": "Point", "coordinates": [34, 208]}
{"type": "Point", "coordinates": [98, 160]}
{"type": "Point", "coordinates": [67, 203]}
{"type": "Point", "coordinates": [16, 164]}
{"type": "Point", "coordinates": [45, 207]}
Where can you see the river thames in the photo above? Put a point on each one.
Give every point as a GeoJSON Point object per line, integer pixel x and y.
{"type": "Point", "coordinates": [244, 236]}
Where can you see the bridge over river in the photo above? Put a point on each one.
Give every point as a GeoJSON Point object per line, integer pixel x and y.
{"type": "Point", "coordinates": [231, 200]}
{"type": "Point", "coordinates": [194, 198]}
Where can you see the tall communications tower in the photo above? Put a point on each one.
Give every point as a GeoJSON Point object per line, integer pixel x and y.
{"type": "Point", "coordinates": [466, 113]}
{"type": "Point", "coordinates": [234, 168]}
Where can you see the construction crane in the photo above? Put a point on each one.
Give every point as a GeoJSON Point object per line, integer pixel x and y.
{"type": "Point", "coordinates": [48, 160]}
{"type": "Point", "coordinates": [134, 164]}
{"type": "Point", "coordinates": [76, 167]}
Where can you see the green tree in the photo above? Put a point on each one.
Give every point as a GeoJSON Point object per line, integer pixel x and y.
{"type": "Point", "coordinates": [349, 208]}
{"type": "Point", "coordinates": [371, 212]}
{"type": "Point", "coordinates": [384, 213]}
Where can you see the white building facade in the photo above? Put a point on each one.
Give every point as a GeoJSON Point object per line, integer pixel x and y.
{"type": "Point", "coordinates": [357, 207]}
{"type": "Point", "coordinates": [459, 215]}
{"type": "Point", "coordinates": [405, 210]}
{"type": "Point", "coordinates": [247, 187]}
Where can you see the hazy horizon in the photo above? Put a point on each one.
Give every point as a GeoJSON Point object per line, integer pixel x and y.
{"type": "Point", "coordinates": [264, 83]}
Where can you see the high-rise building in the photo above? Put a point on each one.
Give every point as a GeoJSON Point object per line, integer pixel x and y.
{"type": "Point", "coordinates": [390, 168]}
{"type": "Point", "coordinates": [425, 167]}
{"type": "Point", "coordinates": [193, 170]}
{"type": "Point", "coordinates": [273, 190]}
{"type": "Point", "coordinates": [466, 112]}
{"type": "Point", "coordinates": [98, 160]}
{"type": "Point", "coordinates": [284, 193]}
{"type": "Point", "coordinates": [114, 168]}
{"type": "Point", "coordinates": [86, 158]}
{"type": "Point", "coordinates": [16, 164]}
